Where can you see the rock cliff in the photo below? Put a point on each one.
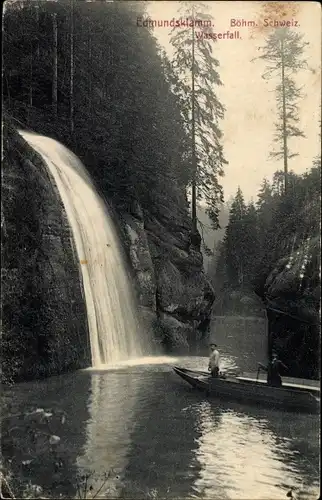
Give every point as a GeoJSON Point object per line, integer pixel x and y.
{"type": "Point", "coordinates": [174, 293]}
{"type": "Point", "coordinates": [44, 325]}
{"type": "Point", "coordinates": [293, 300]}
{"type": "Point", "coordinates": [44, 314]}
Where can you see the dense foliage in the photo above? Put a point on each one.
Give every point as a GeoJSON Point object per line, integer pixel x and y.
{"type": "Point", "coordinates": [87, 75]}
{"type": "Point", "coordinates": [273, 249]}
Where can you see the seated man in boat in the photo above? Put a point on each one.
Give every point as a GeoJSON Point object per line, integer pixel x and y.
{"type": "Point", "coordinates": [214, 360]}
{"type": "Point", "coordinates": [273, 371]}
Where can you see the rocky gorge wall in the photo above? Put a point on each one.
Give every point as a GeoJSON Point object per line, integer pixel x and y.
{"type": "Point", "coordinates": [43, 307]}
{"type": "Point", "coordinates": [174, 293]}
{"type": "Point", "coordinates": [294, 313]}
{"type": "Point", "coordinates": [44, 323]}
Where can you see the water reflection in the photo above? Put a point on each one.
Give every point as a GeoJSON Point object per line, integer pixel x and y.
{"type": "Point", "coordinates": [112, 399]}
{"type": "Point", "coordinates": [246, 455]}
{"type": "Point", "coordinates": [162, 459]}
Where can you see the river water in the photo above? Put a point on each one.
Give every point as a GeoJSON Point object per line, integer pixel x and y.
{"type": "Point", "coordinates": [154, 437]}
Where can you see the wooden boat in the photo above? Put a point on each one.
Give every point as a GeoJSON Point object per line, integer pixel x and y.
{"type": "Point", "coordinates": [305, 398]}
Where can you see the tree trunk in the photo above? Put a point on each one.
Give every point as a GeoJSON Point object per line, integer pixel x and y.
{"type": "Point", "coordinates": [3, 221]}
{"type": "Point", "coordinates": [241, 275]}
{"type": "Point", "coordinates": [55, 67]}
{"type": "Point", "coordinates": [284, 121]}
{"type": "Point", "coordinates": [37, 22]}
{"type": "Point", "coordinates": [90, 83]}
{"type": "Point", "coordinates": [71, 82]}
{"type": "Point", "coordinates": [6, 73]}
{"type": "Point", "coordinates": [194, 163]}
{"type": "Point", "coordinates": [30, 97]}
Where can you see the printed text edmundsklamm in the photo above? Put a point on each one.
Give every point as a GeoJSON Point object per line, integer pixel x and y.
{"type": "Point", "coordinates": [172, 23]}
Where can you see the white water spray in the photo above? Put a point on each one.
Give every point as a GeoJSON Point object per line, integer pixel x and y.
{"type": "Point", "coordinates": [115, 333]}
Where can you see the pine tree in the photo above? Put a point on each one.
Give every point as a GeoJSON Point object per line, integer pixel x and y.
{"type": "Point", "coordinates": [220, 279]}
{"type": "Point", "coordinates": [264, 207]}
{"type": "Point", "coordinates": [251, 247]}
{"type": "Point", "coordinates": [283, 52]}
{"type": "Point", "coordinates": [235, 242]}
{"type": "Point", "coordinates": [264, 196]}
{"type": "Point", "coordinates": [197, 76]}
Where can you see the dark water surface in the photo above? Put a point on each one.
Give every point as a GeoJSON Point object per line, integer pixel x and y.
{"type": "Point", "coordinates": [160, 439]}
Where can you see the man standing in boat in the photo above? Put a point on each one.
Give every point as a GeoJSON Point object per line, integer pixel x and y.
{"type": "Point", "coordinates": [214, 360]}
{"type": "Point", "coordinates": [273, 371]}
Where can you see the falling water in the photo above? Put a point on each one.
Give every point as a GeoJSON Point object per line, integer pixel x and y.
{"type": "Point", "coordinates": [115, 334]}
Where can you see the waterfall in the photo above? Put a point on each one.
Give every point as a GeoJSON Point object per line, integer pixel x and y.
{"type": "Point", "coordinates": [115, 332]}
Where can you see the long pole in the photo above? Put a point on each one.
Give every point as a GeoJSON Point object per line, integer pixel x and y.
{"type": "Point", "coordinates": [268, 338]}
{"type": "Point", "coordinates": [194, 163]}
